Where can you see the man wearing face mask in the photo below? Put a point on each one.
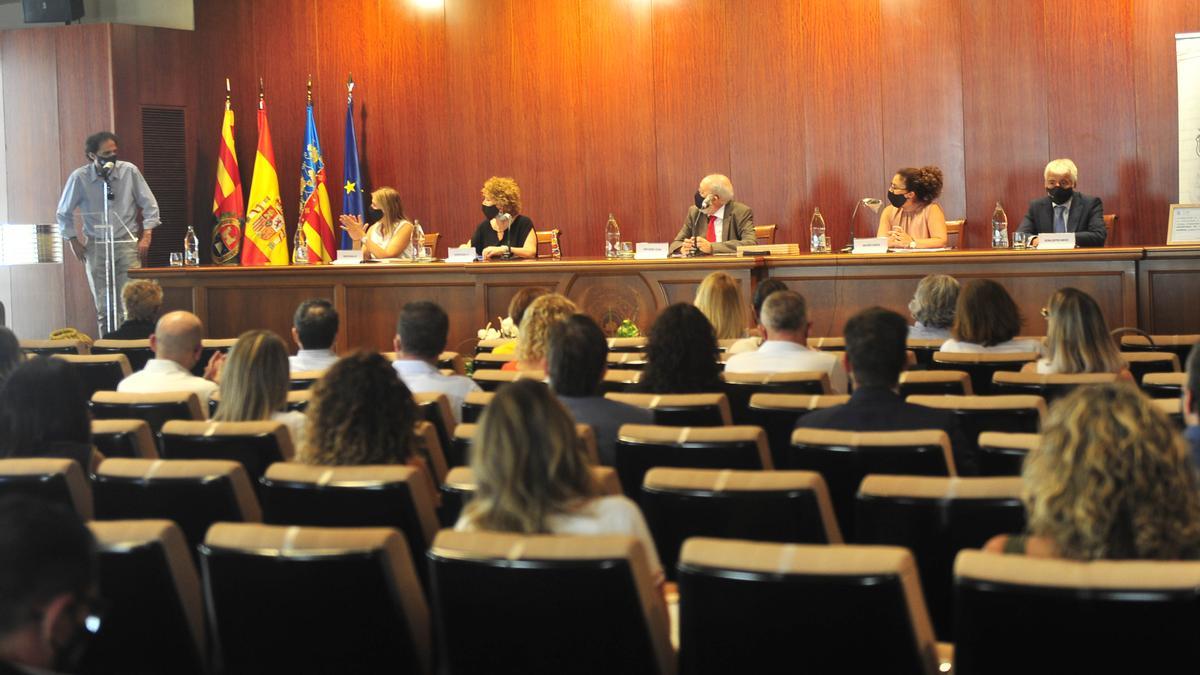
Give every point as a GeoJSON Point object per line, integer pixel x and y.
{"type": "Point", "coordinates": [48, 573]}
{"type": "Point", "coordinates": [716, 223]}
{"type": "Point", "coordinates": [128, 192]}
{"type": "Point", "coordinates": [1065, 210]}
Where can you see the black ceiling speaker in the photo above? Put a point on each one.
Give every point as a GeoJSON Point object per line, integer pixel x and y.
{"type": "Point", "coordinates": [52, 11]}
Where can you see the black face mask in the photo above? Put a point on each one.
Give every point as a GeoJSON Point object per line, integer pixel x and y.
{"type": "Point", "coordinates": [896, 200]}
{"type": "Point", "coordinates": [490, 212]}
{"type": "Point", "coordinates": [1060, 195]}
{"type": "Point", "coordinates": [699, 200]}
{"type": "Point", "coordinates": [373, 215]}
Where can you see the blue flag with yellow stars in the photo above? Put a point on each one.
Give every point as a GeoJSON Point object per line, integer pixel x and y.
{"type": "Point", "coordinates": [352, 191]}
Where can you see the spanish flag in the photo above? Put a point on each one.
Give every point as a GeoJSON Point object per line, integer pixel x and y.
{"type": "Point", "coordinates": [229, 209]}
{"type": "Point", "coordinates": [316, 218]}
{"type": "Point", "coordinates": [266, 232]}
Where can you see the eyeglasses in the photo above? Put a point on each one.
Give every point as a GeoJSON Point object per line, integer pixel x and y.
{"type": "Point", "coordinates": [1045, 313]}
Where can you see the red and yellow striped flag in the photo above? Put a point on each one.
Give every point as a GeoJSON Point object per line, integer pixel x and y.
{"type": "Point", "coordinates": [266, 232]}
{"type": "Point", "coordinates": [229, 209]}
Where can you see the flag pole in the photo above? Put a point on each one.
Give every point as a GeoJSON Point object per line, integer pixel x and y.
{"type": "Point", "coordinates": [260, 93]}
{"type": "Point", "coordinates": [310, 88]}
{"type": "Point", "coordinates": [227, 93]}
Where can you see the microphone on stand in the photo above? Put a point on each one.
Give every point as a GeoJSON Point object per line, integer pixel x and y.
{"type": "Point", "coordinates": [869, 202]}
{"type": "Point", "coordinates": [703, 206]}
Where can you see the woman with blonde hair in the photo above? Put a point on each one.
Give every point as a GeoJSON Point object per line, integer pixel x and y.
{"type": "Point", "coordinates": [254, 384]}
{"type": "Point", "coordinates": [1077, 338]}
{"type": "Point", "coordinates": [390, 236]}
{"type": "Point", "coordinates": [532, 333]}
{"type": "Point", "coordinates": [720, 299]}
{"type": "Point", "coordinates": [505, 232]}
{"type": "Point", "coordinates": [533, 477]}
{"type": "Point", "coordinates": [1110, 480]}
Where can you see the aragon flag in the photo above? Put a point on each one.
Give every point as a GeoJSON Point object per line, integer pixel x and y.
{"type": "Point", "coordinates": [266, 231]}
{"type": "Point", "coordinates": [229, 209]}
{"type": "Point", "coordinates": [315, 215]}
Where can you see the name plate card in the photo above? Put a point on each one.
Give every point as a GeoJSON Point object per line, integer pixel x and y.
{"type": "Point", "coordinates": [1183, 226]}
{"type": "Point", "coordinates": [1056, 241]}
{"type": "Point", "coordinates": [348, 257]}
{"type": "Point", "coordinates": [460, 255]}
{"type": "Point", "coordinates": [652, 250]}
{"type": "Point", "coordinates": [870, 245]}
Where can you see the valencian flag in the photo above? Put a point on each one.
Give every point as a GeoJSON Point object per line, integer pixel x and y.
{"type": "Point", "coordinates": [352, 192]}
{"type": "Point", "coordinates": [315, 215]}
{"type": "Point", "coordinates": [266, 232]}
{"type": "Point", "coordinates": [229, 210]}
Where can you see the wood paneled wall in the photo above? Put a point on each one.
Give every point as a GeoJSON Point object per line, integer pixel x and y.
{"type": "Point", "coordinates": [622, 105]}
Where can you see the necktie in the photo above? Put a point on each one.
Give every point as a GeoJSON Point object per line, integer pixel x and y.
{"type": "Point", "coordinates": [712, 228]}
{"type": "Point", "coordinates": [1060, 223]}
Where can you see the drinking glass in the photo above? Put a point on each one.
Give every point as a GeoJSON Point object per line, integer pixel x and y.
{"type": "Point", "coordinates": [1020, 241]}
{"type": "Point", "coordinates": [176, 259]}
{"type": "Point", "coordinates": [625, 249]}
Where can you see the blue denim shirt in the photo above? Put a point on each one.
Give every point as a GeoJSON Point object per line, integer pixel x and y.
{"type": "Point", "coordinates": [1192, 434]}
{"type": "Point", "coordinates": [85, 191]}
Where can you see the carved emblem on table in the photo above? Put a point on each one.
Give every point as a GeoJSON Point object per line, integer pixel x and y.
{"type": "Point", "coordinates": [610, 304]}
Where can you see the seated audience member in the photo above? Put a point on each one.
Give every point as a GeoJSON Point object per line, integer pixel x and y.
{"type": "Point", "coordinates": [912, 218]}
{"type": "Point", "coordinates": [719, 297]}
{"type": "Point", "coordinates": [681, 356]}
{"type": "Point", "coordinates": [1065, 210]}
{"type": "Point", "coordinates": [1077, 338]}
{"type": "Point", "coordinates": [785, 348]}
{"type": "Point", "coordinates": [176, 347]}
{"type": "Point", "coordinates": [531, 341]}
{"type": "Point", "coordinates": [11, 355]}
{"type": "Point", "coordinates": [44, 413]}
{"type": "Point", "coordinates": [314, 328]}
{"type": "Point", "coordinates": [420, 338]}
{"type": "Point", "coordinates": [1110, 480]}
{"type": "Point", "coordinates": [516, 311]}
{"type": "Point", "coordinates": [1191, 403]}
{"type": "Point", "coordinates": [532, 477]}
{"type": "Point", "coordinates": [761, 293]}
{"type": "Point", "coordinates": [716, 223]}
{"type": "Point", "coordinates": [142, 299]}
{"type": "Point", "coordinates": [875, 355]}
{"type": "Point", "coordinates": [986, 320]}
{"type": "Point", "coordinates": [254, 384]}
{"type": "Point", "coordinates": [575, 362]}
{"type": "Point", "coordinates": [932, 307]}
{"type": "Point", "coordinates": [48, 578]}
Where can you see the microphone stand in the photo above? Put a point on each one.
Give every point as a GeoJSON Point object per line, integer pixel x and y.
{"type": "Point", "coordinates": [110, 266]}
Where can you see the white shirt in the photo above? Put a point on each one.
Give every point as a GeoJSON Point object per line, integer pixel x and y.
{"type": "Point", "coordinates": [1012, 346]}
{"type": "Point", "coordinates": [421, 377]}
{"type": "Point", "coordinates": [376, 236]}
{"type": "Point", "coordinates": [295, 422]}
{"type": "Point", "coordinates": [746, 344]}
{"type": "Point", "coordinates": [782, 356]}
{"type": "Point", "coordinates": [161, 375]}
{"type": "Point", "coordinates": [312, 359]}
{"type": "Point", "coordinates": [919, 331]}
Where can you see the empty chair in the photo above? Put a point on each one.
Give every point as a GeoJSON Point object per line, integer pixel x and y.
{"type": "Point", "coordinates": [491, 379]}
{"type": "Point", "coordinates": [1164, 385]}
{"type": "Point", "coordinates": [137, 351]}
{"type": "Point", "coordinates": [934, 382]}
{"type": "Point", "coordinates": [935, 518]}
{"type": "Point", "coordinates": [492, 361]}
{"type": "Point", "coordinates": [1173, 409]}
{"type": "Point", "coordinates": [430, 448]}
{"type": "Point", "coordinates": [778, 413]}
{"type": "Point", "coordinates": [474, 403]}
{"type": "Point", "coordinates": [1179, 345]}
{"type": "Point", "coordinates": [641, 447]}
{"type": "Point", "coordinates": [154, 615]}
{"type": "Point", "coordinates": [51, 347]}
{"type": "Point", "coordinates": [256, 445]}
{"type": "Point", "coordinates": [486, 346]}
{"type": "Point", "coordinates": [435, 409]}
{"type": "Point", "coordinates": [298, 400]}
{"type": "Point", "coordinates": [460, 486]}
{"type": "Point", "coordinates": [844, 458]}
{"type": "Point", "coordinates": [459, 453]}
{"type": "Point", "coordinates": [827, 344]}
{"type": "Point", "coordinates": [620, 381]}
{"type": "Point", "coordinates": [634, 344]}
{"type": "Point", "coordinates": [626, 360]}
{"type": "Point", "coordinates": [1141, 363]}
{"type": "Point", "coordinates": [124, 438]}
{"type": "Point", "coordinates": [739, 387]}
{"type": "Point", "coordinates": [501, 602]}
{"type": "Point", "coordinates": [209, 347]}
{"type": "Point", "coordinates": [314, 600]}
{"type": "Point", "coordinates": [1020, 413]}
{"type": "Point", "coordinates": [682, 410]}
{"type": "Point", "coordinates": [924, 349]}
{"type": "Point", "coordinates": [750, 607]}
{"type": "Point", "coordinates": [61, 481]}
{"type": "Point", "coordinates": [1049, 387]}
{"type": "Point", "coordinates": [1003, 454]}
{"type": "Point", "coordinates": [783, 506]}
{"type": "Point", "coordinates": [981, 367]}
{"type": "Point", "coordinates": [451, 361]}
{"type": "Point", "coordinates": [1029, 615]}
{"type": "Point", "coordinates": [156, 409]}
{"type": "Point", "coordinates": [299, 380]}
{"type": "Point", "coordinates": [101, 372]}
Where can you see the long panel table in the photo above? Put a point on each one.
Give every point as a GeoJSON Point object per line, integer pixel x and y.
{"type": "Point", "coordinates": [1148, 288]}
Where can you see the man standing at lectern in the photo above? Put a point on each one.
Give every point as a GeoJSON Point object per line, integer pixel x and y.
{"type": "Point", "coordinates": [127, 193]}
{"type": "Point", "coordinates": [716, 223]}
{"type": "Point", "coordinates": [1065, 210]}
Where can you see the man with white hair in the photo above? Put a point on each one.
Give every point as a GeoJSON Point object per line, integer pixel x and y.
{"type": "Point", "coordinates": [716, 223]}
{"type": "Point", "coordinates": [1065, 210]}
{"type": "Point", "coordinates": [785, 348]}
{"type": "Point", "coordinates": [177, 348]}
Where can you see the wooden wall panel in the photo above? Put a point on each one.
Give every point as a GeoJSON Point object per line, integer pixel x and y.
{"type": "Point", "coordinates": [30, 104]}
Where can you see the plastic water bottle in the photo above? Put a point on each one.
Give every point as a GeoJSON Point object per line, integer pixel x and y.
{"type": "Point", "coordinates": [191, 248]}
{"type": "Point", "coordinates": [555, 250]}
{"type": "Point", "coordinates": [417, 240]}
{"type": "Point", "coordinates": [816, 233]}
{"type": "Point", "coordinates": [999, 227]}
{"type": "Point", "coordinates": [300, 252]}
{"type": "Point", "coordinates": [612, 237]}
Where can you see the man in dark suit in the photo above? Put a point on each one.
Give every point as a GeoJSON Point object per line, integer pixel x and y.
{"type": "Point", "coordinates": [875, 355]}
{"type": "Point", "coordinates": [1065, 210]}
{"type": "Point", "coordinates": [575, 361]}
{"type": "Point", "coordinates": [716, 223]}
{"type": "Point", "coordinates": [1191, 403]}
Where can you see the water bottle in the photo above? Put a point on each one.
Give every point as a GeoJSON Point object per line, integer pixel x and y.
{"type": "Point", "coordinates": [191, 248]}
{"type": "Point", "coordinates": [555, 250]}
{"type": "Point", "coordinates": [300, 252]}
{"type": "Point", "coordinates": [999, 227]}
{"type": "Point", "coordinates": [612, 237]}
{"type": "Point", "coordinates": [417, 240]}
{"type": "Point", "coordinates": [816, 233]}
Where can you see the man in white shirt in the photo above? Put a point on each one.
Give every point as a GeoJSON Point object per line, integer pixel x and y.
{"type": "Point", "coordinates": [176, 347]}
{"type": "Point", "coordinates": [420, 338]}
{"type": "Point", "coordinates": [314, 328]}
{"type": "Point", "coordinates": [785, 349]}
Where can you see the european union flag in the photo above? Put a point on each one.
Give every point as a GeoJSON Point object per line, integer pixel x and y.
{"type": "Point", "coordinates": [352, 192]}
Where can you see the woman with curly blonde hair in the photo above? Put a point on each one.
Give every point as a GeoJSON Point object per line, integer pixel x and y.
{"type": "Point", "coordinates": [720, 299]}
{"type": "Point", "coordinates": [1110, 480]}
{"type": "Point", "coordinates": [505, 232]}
{"type": "Point", "coordinates": [532, 334]}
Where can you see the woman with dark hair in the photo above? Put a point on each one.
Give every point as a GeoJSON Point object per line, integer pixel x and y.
{"type": "Point", "coordinates": [986, 320]}
{"type": "Point", "coordinates": [10, 353]}
{"type": "Point", "coordinates": [681, 357]}
{"type": "Point", "coordinates": [912, 219]}
{"type": "Point", "coordinates": [44, 413]}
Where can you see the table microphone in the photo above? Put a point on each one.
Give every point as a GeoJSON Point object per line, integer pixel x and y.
{"type": "Point", "coordinates": [703, 205]}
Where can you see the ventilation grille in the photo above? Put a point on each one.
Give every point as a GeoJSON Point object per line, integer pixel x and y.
{"type": "Point", "coordinates": [164, 164]}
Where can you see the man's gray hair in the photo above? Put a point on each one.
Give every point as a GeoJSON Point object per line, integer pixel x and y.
{"type": "Point", "coordinates": [785, 311]}
{"type": "Point", "coordinates": [718, 184]}
{"type": "Point", "coordinates": [934, 301]}
{"type": "Point", "coordinates": [1061, 166]}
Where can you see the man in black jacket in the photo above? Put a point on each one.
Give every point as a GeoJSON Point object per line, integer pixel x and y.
{"type": "Point", "coordinates": [1065, 210]}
